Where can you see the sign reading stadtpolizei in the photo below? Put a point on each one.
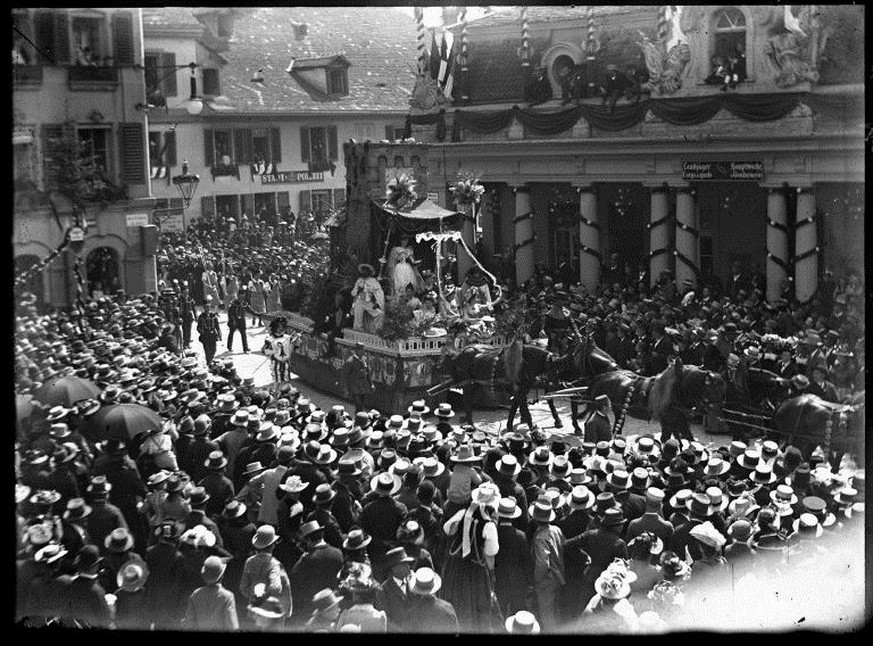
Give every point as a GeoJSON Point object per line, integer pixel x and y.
{"type": "Point", "coordinates": [723, 170]}
{"type": "Point", "coordinates": [292, 177]}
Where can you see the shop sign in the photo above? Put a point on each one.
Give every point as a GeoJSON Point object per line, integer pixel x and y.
{"type": "Point", "coordinates": [137, 219]}
{"type": "Point", "coordinates": [292, 177]}
{"type": "Point", "coordinates": [723, 171]}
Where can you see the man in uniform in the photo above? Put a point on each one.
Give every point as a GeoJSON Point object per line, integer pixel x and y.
{"type": "Point", "coordinates": [186, 314]}
{"type": "Point", "coordinates": [209, 330]}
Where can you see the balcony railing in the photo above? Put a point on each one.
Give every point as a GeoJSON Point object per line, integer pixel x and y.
{"type": "Point", "coordinates": [225, 170]}
{"type": "Point", "coordinates": [27, 74]}
{"type": "Point", "coordinates": [86, 77]}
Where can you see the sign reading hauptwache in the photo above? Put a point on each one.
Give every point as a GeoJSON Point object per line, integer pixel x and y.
{"type": "Point", "coordinates": [292, 177]}
{"type": "Point", "coordinates": [723, 170]}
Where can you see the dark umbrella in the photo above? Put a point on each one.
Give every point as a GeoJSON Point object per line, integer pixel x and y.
{"type": "Point", "coordinates": [124, 421]}
{"type": "Point", "coordinates": [66, 391]}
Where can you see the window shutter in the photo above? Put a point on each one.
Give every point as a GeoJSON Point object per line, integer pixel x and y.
{"type": "Point", "coordinates": [284, 199]}
{"type": "Point", "coordinates": [339, 197]}
{"type": "Point", "coordinates": [122, 30]}
{"type": "Point", "coordinates": [248, 204]}
{"type": "Point", "coordinates": [170, 148]}
{"type": "Point", "coordinates": [44, 30]}
{"type": "Point", "coordinates": [305, 201]}
{"type": "Point", "coordinates": [48, 133]}
{"type": "Point", "coordinates": [389, 133]}
{"type": "Point", "coordinates": [276, 145]}
{"type": "Point", "coordinates": [304, 144]}
{"type": "Point", "coordinates": [62, 37]}
{"type": "Point", "coordinates": [168, 60]}
{"type": "Point", "coordinates": [332, 142]}
{"type": "Point", "coordinates": [207, 207]}
{"type": "Point", "coordinates": [132, 153]}
{"type": "Point", "coordinates": [211, 82]}
{"type": "Point", "coordinates": [242, 144]}
{"type": "Point", "coordinates": [208, 148]}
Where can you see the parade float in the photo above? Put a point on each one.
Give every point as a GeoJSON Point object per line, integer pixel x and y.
{"type": "Point", "coordinates": [390, 219]}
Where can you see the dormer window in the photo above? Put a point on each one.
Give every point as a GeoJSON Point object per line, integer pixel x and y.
{"type": "Point", "coordinates": [211, 82]}
{"type": "Point", "coordinates": [337, 81]}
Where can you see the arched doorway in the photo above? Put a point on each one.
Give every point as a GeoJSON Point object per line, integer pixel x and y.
{"type": "Point", "coordinates": [34, 283]}
{"type": "Point", "coordinates": [102, 271]}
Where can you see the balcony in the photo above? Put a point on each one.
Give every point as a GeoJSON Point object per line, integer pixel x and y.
{"type": "Point", "coordinates": [24, 75]}
{"type": "Point", "coordinates": [93, 79]}
{"type": "Point", "coordinates": [225, 170]}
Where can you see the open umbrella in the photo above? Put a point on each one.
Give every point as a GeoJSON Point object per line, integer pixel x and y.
{"type": "Point", "coordinates": [124, 421]}
{"type": "Point", "coordinates": [66, 391]}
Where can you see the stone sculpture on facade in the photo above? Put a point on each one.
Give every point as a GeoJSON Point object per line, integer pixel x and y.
{"type": "Point", "coordinates": [796, 46]}
{"type": "Point", "coordinates": [426, 94]}
{"type": "Point", "coordinates": [667, 60]}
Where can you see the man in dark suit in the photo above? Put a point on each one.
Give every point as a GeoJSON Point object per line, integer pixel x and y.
{"type": "Point", "coordinates": [381, 517]}
{"type": "Point", "coordinates": [634, 504]}
{"type": "Point", "coordinates": [105, 517]}
{"type": "Point", "coordinates": [195, 460]}
{"type": "Point", "coordinates": [602, 545]}
{"type": "Point", "coordinates": [662, 348]}
{"type": "Point", "coordinates": [580, 501]}
{"type": "Point", "coordinates": [428, 614]}
{"type": "Point", "coordinates": [165, 592]}
{"type": "Point", "coordinates": [236, 322]}
{"type": "Point", "coordinates": [394, 598]}
{"type": "Point", "coordinates": [819, 384]}
{"type": "Point", "coordinates": [513, 570]}
{"type": "Point", "coordinates": [506, 471]}
{"type": "Point", "coordinates": [85, 598]}
{"type": "Point", "coordinates": [737, 280]}
{"type": "Point", "coordinates": [317, 568]}
{"type": "Point", "coordinates": [786, 367]}
{"type": "Point", "coordinates": [651, 520]}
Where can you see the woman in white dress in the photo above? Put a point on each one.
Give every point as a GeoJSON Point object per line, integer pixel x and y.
{"type": "Point", "coordinates": [402, 268]}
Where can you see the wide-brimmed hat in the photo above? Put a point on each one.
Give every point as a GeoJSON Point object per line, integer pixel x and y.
{"type": "Point", "coordinates": [357, 539]}
{"type": "Point", "coordinates": [385, 484]}
{"type": "Point", "coordinates": [444, 410]}
{"type": "Point", "coordinates": [542, 511]}
{"type": "Point", "coordinates": [325, 455]}
{"type": "Point", "coordinates": [707, 534]}
{"type": "Point", "coordinates": [77, 509]}
{"type": "Point", "coordinates": [118, 540]}
{"type": "Point", "coordinates": [88, 559]}
{"type": "Point", "coordinates": [717, 498]}
{"type": "Point", "coordinates": [233, 509]}
{"type": "Point", "coordinates": [310, 527]}
{"type": "Point", "coordinates": [294, 484]}
{"type": "Point", "coordinates": [581, 498]}
{"type": "Point", "coordinates": [198, 496]}
{"type": "Point", "coordinates": [522, 622]}
{"type": "Point", "coordinates": [749, 459]}
{"type": "Point", "coordinates": [132, 576]}
{"type": "Point", "coordinates": [240, 418]}
{"type": "Point", "coordinates": [264, 537]}
{"type": "Point", "coordinates": [763, 474]}
{"type": "Point", "coordinates": [425, 581]}
{"type": "Point", "coordinates": [99, 487]}
{"type": "Point", "coordinates": [395, 422]}
{"type": "Point", "coordinates": [540, 456]}
{"type": "Point", "coordinates": [784, 496]}
{"type": "Point", "coordinates": [699, 504]}
{"type": "Point", "coordinates": [431, 467]}
{"type": "Point", "coordinates": [56, 413]}
{"type": "Point", "coordinates": [396, 556]}
{"type": "Point", "coordinates": [324, 600]}
{"type": "Point", "coordinates": [618, 479]}
{"type": "Point", "coordinates": [807, 526]}
{"type": "Point", "coordinates": [50, 553]}
{"type": "Point", "coordinates": [267, 432]}
{"type": "Point", "coordinates": [465, 454]}
{"type": "Point", "coordinates": [646, 445]}
{"type": "Point", "coordinates": [508, 508]}
{"type": "Point", "coordinates": [418, 407]}
{"type": "Point", "coordinates": [252, 468]}
{"type": "Point", "coordinates": [716, 467]}
{"type": "Point", "coordinates": [612, 586]}
{"type": "Point", "coordinates": [818, 507]}
{"type": "Point", "coordinates": [508, 466]}
{"type": "Point", "coordinates": [215, 461]}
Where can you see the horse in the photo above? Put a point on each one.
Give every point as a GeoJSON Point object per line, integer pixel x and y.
{"type": "Point", "coordinates": [667, 397]}
{"type": "Point", "coordinates": [807, 422]}
{"type": "Point", "coordinates": [766, 390]}
{"type": "Point", "coordinates": [516, 368]}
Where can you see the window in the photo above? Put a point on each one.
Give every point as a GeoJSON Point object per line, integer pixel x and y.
{"type": "Point", "coordinates": [337, 81]}
{"type": "Point", "coordinates": [706, 255]}
{"type": "Point", "coordinates": [322, 202]}
{"type": "Point", "coordinates": [162, 152]}
{"type": "Point", "coordinates": [319, 147]}
{"type": "Point", "coordinates": [160, 77]}
{"type": "Point", "coordinates": [95, 144]}
{"type": "Point", "coordinates": [223, 147]}
{"type": "Point", "coordinates": [730, 33]}
{"type": "Point", "coordinates": [227, 206]}
{"type": "Point", "coordinates": [211, 82]}
{"type": "Point", "coordinates": [23, 170]}
{"type": "Point", "coordinates": [266, 145]}
{"type": "Point", "coordinates": [88, 43]}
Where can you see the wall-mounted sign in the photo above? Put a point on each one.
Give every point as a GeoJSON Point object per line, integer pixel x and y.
{"type": "Point", "coordinates": [77, 234]}
{"type": "Point", "coordinates": [173, 223]}
{"type": "Point", "coordinates": [292, 177]}
{"type": "Point", "coordinates": [137, 219]}
{"type": "Point", "coordinates": [723, 171]}
{"type": "Point", "coordinates": [434, 197]}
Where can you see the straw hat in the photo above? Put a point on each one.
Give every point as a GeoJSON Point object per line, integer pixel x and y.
{"type": "Point", "coordinates": [522, 623]}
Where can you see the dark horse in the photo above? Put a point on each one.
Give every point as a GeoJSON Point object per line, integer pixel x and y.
{"type": "Point", "coordinates": [766, 390]}
{"type": "Point", "coordinates": [517, 368]}
{"type": "Point", "coordinates": [803, 422]}
{"type": "Point", "coordinates": [667, 397]}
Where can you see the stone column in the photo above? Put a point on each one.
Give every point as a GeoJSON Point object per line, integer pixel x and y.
{"type": "Point", "coordinates": [591, 251]}
{"type": "Point", "coordinates": [805, 246]}
{"type": "Point", "coordinates": [524, 235]}
{"type": "Point", "coordinates": [659, 234]}
{"type": "Point", "coordinates": [467, 233]}
{"type": "Point", "coordinates": [687, 240]}
{"type": "Point", "coordinates": [777, 242]}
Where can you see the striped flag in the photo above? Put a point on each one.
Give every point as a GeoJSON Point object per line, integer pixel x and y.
{"type": "Point", "coordinates": [446, 77]}
{"type": "Point", "coordinates": [434, 57]}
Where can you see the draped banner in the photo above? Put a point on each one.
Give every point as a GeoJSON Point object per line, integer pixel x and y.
{"type": "Point", "coordinates": [681, 112]}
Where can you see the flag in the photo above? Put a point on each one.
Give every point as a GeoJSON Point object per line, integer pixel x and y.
{"type": "Point", "coordinates": [446, 52]}
{"type": "Point", "coordinates": [434, 57]}
{"type": "Point", "coordinates": [448, 78]}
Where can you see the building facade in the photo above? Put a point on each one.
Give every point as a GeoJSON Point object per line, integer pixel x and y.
{"type": "Point", "coordinates": [77, 75]}
{"type": "Point", "coordinates": [611, 130]}
{"type": "Point", "coordinates": [281, 93]}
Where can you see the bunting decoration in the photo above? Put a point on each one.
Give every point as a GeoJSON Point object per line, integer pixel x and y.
{"type": "Point", "coordinates": [420, 39]}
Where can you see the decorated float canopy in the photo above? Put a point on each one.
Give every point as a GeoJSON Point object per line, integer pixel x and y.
{"type": "Point", "coordinates": [421, 208]}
